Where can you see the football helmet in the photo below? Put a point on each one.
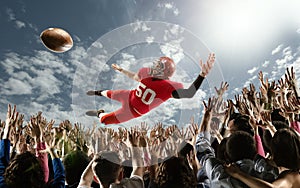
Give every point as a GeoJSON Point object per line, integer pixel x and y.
{"type": "Point", "coordinates": [163, 68]}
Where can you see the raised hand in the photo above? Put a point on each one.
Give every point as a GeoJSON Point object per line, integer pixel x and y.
{"type": "Point", "coordinates": [291, 79]}
{"type": "Point", "coordinates": [194, 130]}
{"type": "Point", "coordinates": [251, 95]}
{"type": "Point", "coordinates": [175, 133]}
{"type": "Point", "coordinates": [116, 67]}
{"type": "Point", "coordinates": [184, 132]}
{"type": "Point", "coordinates": [223, 88]}
{"type": "Point", "coordinates": [215, 131]}
{"type": "Point", "coordinates": [244, 106]}
{"type": "Point", "coordinates": [10, 122]}
{"type": "Point", "coordinates": [238, 102]}
{"type": "Point", "coordinates": [154, 152]}
{"type": "Point", "coordinates": [134, 137]}
{"type": "Point", "coordinates": [229, 110]}
{"type": "Point", "coordinates": [36, 129]}
{"type": "Point", "coordinates": [170, 148]}
{"type": "Point", "coordinates": [100, 139]}
{"type": "Point", "coordinates": [51, 141]}
{"type": "Point", "coordinates": [267, 122]}
{"type": "Point", "coordinates": [2, 125]}
{"type": "Point", "coordinates": [144, 128]}
{"type": "Point", "coordinates": [193, 161]}
{"type": "Point", "coordinates": [17, 133]}
{"type": "Point", "coordinates": [283, 88]}
{"type": "Point", "coordinates": [294, 104]}
{"type": "Point", "coordinates": [290, 108]}
{"type": "Point", "coordinates": [160, 132]}
{"type": "Point", "coordinates": [264, 87]}
{"type": "Point", "coordinates": [210, 104]}
{"type": "Point", "coordinates": [290, 75]}
{"type": "Point", "coordinates": [142, 140]}
{"type": "Point", "coordinates": [268, 90]}
{"type": "Point", "coordinates": [205, 68]}
{"type": "Point", "coordinates": [21, 145]}
{"type": "Point", "coordinates": [219, 109]}
{"type": "Point", "coordinates": [51, 144]}
{"type": "Point", "coordinates": [206, 119]}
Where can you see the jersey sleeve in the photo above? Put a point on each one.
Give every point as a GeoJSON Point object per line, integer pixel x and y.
{"type": "Point", "coordinates": [178, 86]}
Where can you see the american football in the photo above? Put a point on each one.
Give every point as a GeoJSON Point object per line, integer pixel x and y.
{"type": "Point", "coordinates": [56, 40]}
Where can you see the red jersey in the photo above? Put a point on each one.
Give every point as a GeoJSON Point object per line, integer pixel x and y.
{"type": "Point", "coordinates": [151, 92]}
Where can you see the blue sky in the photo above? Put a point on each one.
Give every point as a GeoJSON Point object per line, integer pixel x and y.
{"type": "Point", "coordinates": [247, 36]}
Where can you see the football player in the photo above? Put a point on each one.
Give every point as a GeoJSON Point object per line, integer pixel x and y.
{"type": "Point", "coordinates": [155, 87]}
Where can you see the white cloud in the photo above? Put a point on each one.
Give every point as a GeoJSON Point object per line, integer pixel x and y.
{"type": "Point", "coordinates": [11, 62]}
{"type": "Point", "coordinates": [77, 54]}
{"type": "Point", "coordinates": [173, 50]}
{"type": "Point", "coordinates": [266, 63]}
{"type": "Point", "coordinates": [287, 51]}
{"type": "Point", "coordinates": [34, 27]}
{"type": "Point", "coordinates": [281, 63]}
{"type": "Point", "coordinates": [140, 25]}
{"type": "Point", "coordinates": [16, 87]}
{"type": "Point", "coordinates": [97, 44]}
{"type": "Point", "coordinates": [176, 12]}
{"type": "Point", "coordinates": [40, 77]}
{"type": "Point", "coordinates": [11, 14]}
{"type": "Point", "coordinates": [287, 57]}
{"type": "Point", "coordinates": [172, 47]}
{"type": "Point", "coordinates": [253, 70]}
{"type": "Point", "coordinates": [249, 81]}
{"type": "Point", "coordinates": [277, 49]}
{"type": "Point", "coordinates": [43, 79]}
{"type": "Point", "coordinates": [168, 5]}
{"type": "Point", "coordinates": [195, 102]}
{"type": "Point", "coordinates": [265, 74]}
{"type": "Point", "coordinates": [298, 31]}
{"type": "Point", "coordinates": [235, 91]}
{"type": "Point", "coordinates": [12, 17]}
{"type": "Point", "coordinates": [145, 27]}
{"type": "Point", "coordinates": [172, 32]}
{"type": "Point", "coordinates": [50, 111]}
{"type": "Point", "coordinates": [150, 39]}
{"type": "Point", "coordinates": [20, 24]}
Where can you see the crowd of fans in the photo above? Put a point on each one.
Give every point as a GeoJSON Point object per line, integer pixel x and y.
{"type": "Point", "coordinates": [249, 141]}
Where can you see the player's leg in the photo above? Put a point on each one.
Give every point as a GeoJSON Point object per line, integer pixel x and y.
{"type": "Point", "coordinates": [119, 116]}
{"type": "Point", "coordinates": [119, 95]}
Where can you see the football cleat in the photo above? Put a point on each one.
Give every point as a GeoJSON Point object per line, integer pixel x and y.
{"type": "Point", "coordinates": [94, 92]}
{"type": "Point", "coordinates": [94, 112]}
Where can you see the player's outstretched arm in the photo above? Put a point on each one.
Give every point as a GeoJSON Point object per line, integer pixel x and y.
{"type": "Point", "coordinates": [128, 73]}
{"type": "Point", "coordinates": [190, 92]}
